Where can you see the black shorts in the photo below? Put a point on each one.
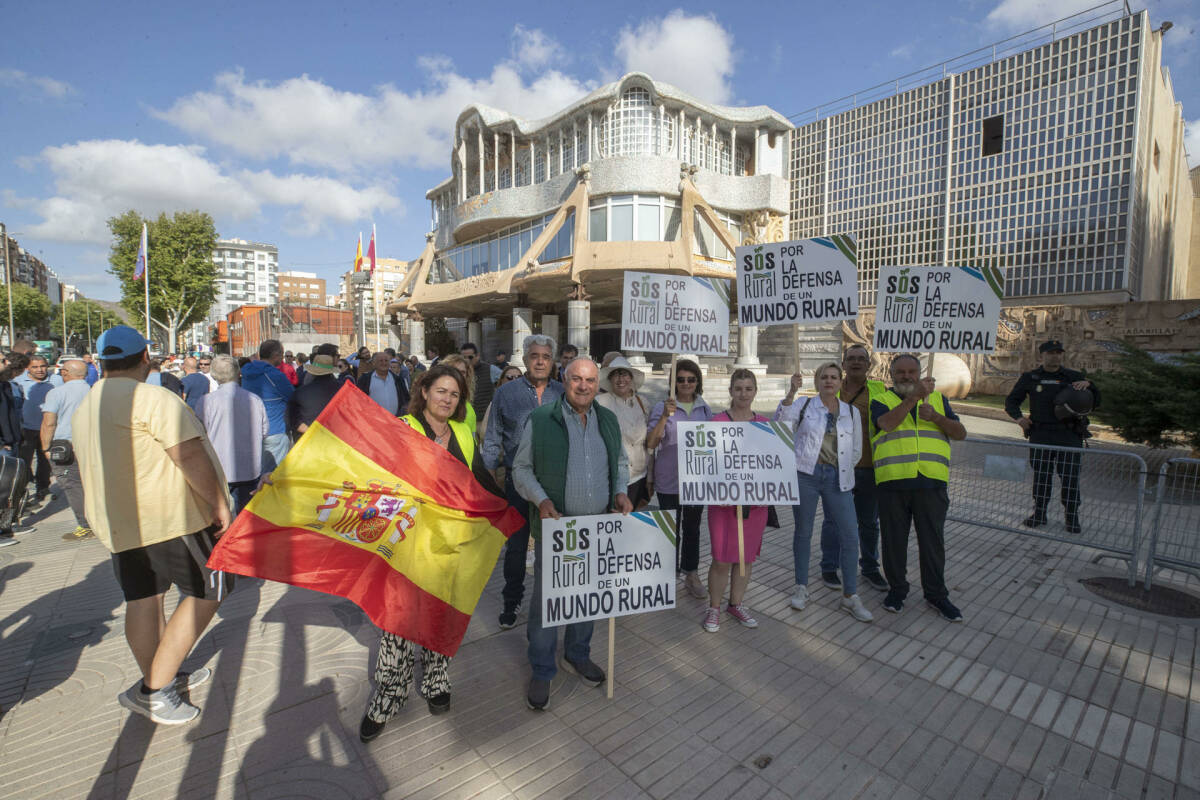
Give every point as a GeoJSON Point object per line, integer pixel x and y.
{"type": "Point", "coordinates": [146, 571]}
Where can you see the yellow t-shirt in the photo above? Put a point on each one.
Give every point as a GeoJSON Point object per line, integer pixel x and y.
{"type": "Point", "coordinates": [134, 495]}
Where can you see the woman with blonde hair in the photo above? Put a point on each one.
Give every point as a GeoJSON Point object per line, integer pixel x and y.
{"type": "Point", "coordinates": [467, 369]}
{"type": "Point", "coordinates": [828, 445]}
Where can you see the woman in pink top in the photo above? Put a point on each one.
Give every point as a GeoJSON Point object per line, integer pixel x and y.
{"type": "Point", "coordinates": [723, 523]}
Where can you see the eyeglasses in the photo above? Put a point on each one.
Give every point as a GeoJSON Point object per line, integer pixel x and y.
{"type": "Point", "coordinates": [686, 379]}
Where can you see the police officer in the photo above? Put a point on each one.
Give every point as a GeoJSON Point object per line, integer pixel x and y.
{"type": "Point", "coordinates": [1044, 387]}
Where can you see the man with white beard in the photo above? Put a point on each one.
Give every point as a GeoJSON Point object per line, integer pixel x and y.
{"type": "Point", "coordinates": [912, 428]}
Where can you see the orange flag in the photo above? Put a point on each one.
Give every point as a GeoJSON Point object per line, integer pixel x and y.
{"type": "Point", "coordinates": [358, 258]}
{"type": "Point", "coordinates": [367, 508]}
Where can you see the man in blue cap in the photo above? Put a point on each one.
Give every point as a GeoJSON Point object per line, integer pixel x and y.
{"type": "Point", "coordinates": [1043, 426]}
{"type": "Point", "coordinates": [156, 497]}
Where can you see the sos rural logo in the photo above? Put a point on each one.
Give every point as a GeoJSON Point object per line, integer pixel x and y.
{"type": "Point", "coordinates": [700, 451]}
{"type": "Point", "coordinates": [759, 276]}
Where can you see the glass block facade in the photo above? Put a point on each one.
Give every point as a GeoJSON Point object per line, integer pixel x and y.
{"type": "Point", "coordinates": [1027, 162]}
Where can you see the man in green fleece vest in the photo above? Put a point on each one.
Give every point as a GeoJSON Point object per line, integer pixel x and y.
{"type": "Point", "coordinates": [570, 463]}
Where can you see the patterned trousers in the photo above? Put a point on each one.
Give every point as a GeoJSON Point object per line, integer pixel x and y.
{"type": "Point", "coordinates": [394, 676]}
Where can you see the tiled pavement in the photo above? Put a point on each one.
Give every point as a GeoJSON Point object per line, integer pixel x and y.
{"type": "Point", "coordinates": [1045, 691]}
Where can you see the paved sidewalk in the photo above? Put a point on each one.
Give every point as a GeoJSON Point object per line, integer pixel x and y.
{"type": "Point", "coordinates": [1045, 691]}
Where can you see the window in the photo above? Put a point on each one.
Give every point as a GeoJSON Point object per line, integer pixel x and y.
{"type": "Point", "coordinates": [993, 135]}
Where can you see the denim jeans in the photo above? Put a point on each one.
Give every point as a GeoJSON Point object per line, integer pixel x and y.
{"type": "Point", "coordinates": [866, 508]}
{"type": "Point", "coordinates": [515, 549]}
{"type": "Point", "coordinates": [839, 507]}
{"type": "Point", "coordinates": [275, 447]}
{"type": "Point", "coordinates": [577, 638]}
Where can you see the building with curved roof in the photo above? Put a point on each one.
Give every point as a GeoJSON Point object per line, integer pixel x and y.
{"type": "Point", "coordinates": [542, 217]}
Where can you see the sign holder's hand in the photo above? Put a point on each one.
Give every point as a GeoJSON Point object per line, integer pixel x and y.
{"type": "Point", "coordinates": [621, 504]}
{"type": "Point", "coordinates": [546, 510]}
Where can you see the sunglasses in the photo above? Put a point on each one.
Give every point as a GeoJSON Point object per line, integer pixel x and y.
{"type": "Point", "coordinates": [687, 379]}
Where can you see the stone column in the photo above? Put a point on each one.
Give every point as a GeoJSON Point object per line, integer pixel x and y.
{"type": "Point", "coordinates": [474, 332]}
{"type": "Point", "coordinates": [550, 326]}
{"type": "Point", "coordinates": [748, 350]}
{"type": "Point", "coordinates": [522, 324]}
{"type": "Point", "coordinates": [579, 325]}
{"type": "Point", "coordinates": [416, 338]}
{"type": "Point", "coordinates": [637, 359]}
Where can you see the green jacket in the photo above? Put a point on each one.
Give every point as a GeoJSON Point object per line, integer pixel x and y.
{"type": "Point", "coordinates": [550, 457]}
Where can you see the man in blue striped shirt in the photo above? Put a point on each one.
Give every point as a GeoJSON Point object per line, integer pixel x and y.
{"type": "Point", "coordinates": [511, 407]}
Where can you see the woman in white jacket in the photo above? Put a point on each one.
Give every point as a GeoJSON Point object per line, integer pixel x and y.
{"type": "Point", "coordinates": [828, 445]}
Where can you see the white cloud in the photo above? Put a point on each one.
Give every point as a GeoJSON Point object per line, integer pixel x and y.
{"type": "Point", "coordinates": [534, 50]}
{"type": "Point", "coordinates": [1191, 140]}
{"type": "Point", "coordinates": [312, 123]}
{"type": "Point", "coordinates": [1029, 14]}
{"type": "Point", "coordinates": [23, 81]}
{"type": "Point", "coordinates": [692, 52]}
{"type": "Point", "coordinates": [902, 51]}
{"type": "Point", "coordinates": [97, 179]}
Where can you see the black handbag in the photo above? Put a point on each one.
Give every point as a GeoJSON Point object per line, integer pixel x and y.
{"type": "Point", "coordinates": [61, 452]}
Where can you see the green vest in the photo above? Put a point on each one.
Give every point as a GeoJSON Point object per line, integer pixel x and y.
{"type": "Point", "coordinates": [462, 432]}
{"type": "Point", "coordinates": [915, 447]}
{"type": "Point", "coordinates": [550, 456]}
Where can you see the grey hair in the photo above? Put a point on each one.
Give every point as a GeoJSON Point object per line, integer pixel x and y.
{"type": "Point", "coordinates": [541, 340]}
{"type": "Point", "coordinates": [576, 360]}
{"type": "Point", "coordinates": [224, 369]}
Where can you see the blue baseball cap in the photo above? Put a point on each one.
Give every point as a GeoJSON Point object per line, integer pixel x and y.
{"type": "Point", "coordinates": [120, 342]}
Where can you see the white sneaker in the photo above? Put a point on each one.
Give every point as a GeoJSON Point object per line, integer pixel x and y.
{"type": "Point", "coordinates": [165, 706]}
{"type": "Point", "coordinates": [800, 598]}
{"type": "Point", "coordinates": [854, 607]}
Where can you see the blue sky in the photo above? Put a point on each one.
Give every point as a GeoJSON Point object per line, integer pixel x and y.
{"type": "Point", "coordinates": [303, 123]}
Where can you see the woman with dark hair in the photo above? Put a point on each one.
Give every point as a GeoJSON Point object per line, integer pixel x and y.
{"type": "Point", "coordinates": [723, 523]}
{"type": "Point", "coordinates": [438, 410]}
{"type": "Point", "coordinates": [688, 406]}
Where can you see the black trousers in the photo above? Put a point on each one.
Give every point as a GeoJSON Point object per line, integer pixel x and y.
{"type": "Point", "coordinates": [1047, 462]}
{"type": "Point", "coordinates": [687, 531]}
{"type": "Point", "coordinates": [31, 447]}
{"type": "Point", "coordinates": [900, 509]}
{"type": "Point", "coordinates": [517, 546]}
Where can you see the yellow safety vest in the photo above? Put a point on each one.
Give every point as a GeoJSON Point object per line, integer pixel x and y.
{"type": "Point", "coordinates": [915, 447]}
{"type": "Point", "coordinates": [462, 432]}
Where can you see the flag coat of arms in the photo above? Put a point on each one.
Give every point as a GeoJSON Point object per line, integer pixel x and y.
{"type": "Point", "coordinates": [367, 508]}
{"type": "Point", "coordinates": [143, 256]}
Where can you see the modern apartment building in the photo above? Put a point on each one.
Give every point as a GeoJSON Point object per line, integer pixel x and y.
{"type": "Point", "coordinates": [1057, 155]}
{"type": "Point", "coordinates": [301, 288]}
{"type": "Point", "coordinates": [248, 275]}
{"type": "Point", "coordinates": [368, 297]}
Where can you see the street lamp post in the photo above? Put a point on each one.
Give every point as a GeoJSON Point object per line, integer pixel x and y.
{"type": "Point", "coordinates": [12, 333]}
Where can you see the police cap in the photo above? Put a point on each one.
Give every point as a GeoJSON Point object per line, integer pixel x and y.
{"type": "Point", "coordinates": [1051, 345]}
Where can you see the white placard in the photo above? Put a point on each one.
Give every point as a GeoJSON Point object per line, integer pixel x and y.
{"type": "Point", "coordinates": [675, 314]}
{"type": "Point", "coordinates": [808, 280]}
{"type": "Point", "coordinates": [938, 309]}
{"type": "Point", "coordinates": [607, 565]}
{"type": "Point", "coordinates": [737, 463]}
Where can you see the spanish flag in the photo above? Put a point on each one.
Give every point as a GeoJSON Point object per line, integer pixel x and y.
{"type": "Point", "coordinates": [366, 508]}
{"type": "Point", "coordinates": [358, 258]}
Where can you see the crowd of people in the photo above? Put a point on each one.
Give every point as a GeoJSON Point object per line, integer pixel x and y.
{"type": "Point", "coordinates": [157, 464]}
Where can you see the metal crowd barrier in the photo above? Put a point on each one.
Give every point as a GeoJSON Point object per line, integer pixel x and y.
{"type": "Point", "coordinates": [992, 481]}
{"type": "Point", "coordinates": [1175, 535]}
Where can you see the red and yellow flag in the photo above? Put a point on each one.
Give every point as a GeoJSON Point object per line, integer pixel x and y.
{"type": "Point", "coordinates": [366, 508]}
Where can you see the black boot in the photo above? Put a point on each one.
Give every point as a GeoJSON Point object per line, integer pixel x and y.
{"type": "Point", "coordinates": [369, 729]}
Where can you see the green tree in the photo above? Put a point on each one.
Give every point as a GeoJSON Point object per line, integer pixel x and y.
{"type": "Point", "coordinates": [437, 336]}
{"type": "Point", "coordinates": [182, 273]}
{"type": "Point", "coordinates": [31, 308]}
{"type": "Point", "coordinates": [85, 318]}
{"type": "Point", "coordinates": [1150, 400]}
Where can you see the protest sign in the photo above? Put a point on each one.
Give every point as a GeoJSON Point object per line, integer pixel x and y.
{"type": "Point", "coordinates": [607, 565]}
{"type": "Point", "coordinates": [736, 463]}
{"type": "Point", "coordinates": [808, 280]}
{"type": "Point", "coordinates": [675, 314]}
{"type": "Point", "coordinates": [938, 309]}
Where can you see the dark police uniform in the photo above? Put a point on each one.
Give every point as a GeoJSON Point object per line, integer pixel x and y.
{"type": "Point", "coordinates": [1042, 387]}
